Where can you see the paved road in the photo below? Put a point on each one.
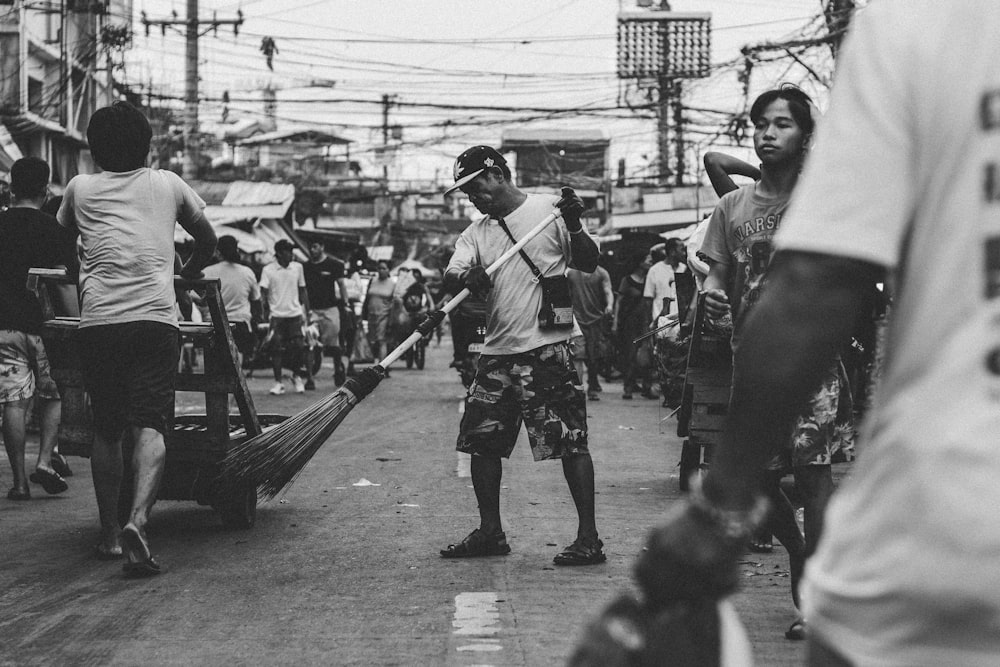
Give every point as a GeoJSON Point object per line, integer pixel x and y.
{"type": "Point", "coordinates": [344, 568]}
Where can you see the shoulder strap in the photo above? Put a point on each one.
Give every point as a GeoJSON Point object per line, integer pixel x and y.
{"type": "Point", "coordinates": [531, 265]}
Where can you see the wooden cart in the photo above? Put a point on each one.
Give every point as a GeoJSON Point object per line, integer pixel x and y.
{"type": "Point", "coordinates": [705, 400]}
{"type": "Point", "coordinates": [195, 443]}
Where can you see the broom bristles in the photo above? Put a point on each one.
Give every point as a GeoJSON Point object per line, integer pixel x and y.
{"type": "Point", "coordinates": [271, 461]}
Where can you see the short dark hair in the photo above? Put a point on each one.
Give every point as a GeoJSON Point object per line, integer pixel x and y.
{"type": "Point", "coordinates": [228, 248]}
{"type": "Point", "coordinates": [29, 177]}
{"type": "Point", "coordinates": [674, 243]}
{"type": "Point", "coordinates": [119, 137]}
{"type": "Point", "coordinates": [799, 104]}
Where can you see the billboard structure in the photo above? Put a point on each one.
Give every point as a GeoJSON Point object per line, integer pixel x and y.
{"type": "Point", "coordinates": [661, 49]}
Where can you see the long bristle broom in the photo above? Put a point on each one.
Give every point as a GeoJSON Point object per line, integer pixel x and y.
{"type": "Point", "coordinates": [271, 461]}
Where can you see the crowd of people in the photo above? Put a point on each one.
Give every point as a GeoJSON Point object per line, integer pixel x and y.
{"type": "Point", "coordinates": [785, 264]}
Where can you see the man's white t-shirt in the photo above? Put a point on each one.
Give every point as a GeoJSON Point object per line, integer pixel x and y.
{"type": "Point", "coordinates": [906, 174]}
{"type": "Point", "coordinates": [126, 222]}
{"type": "Point", "coordinates": [660, 284]}
{"type": "Point", "coordinates": [239, 288]}
{"type": "Point", "coordinates": [514, 301]}
{"type": "Point", "coordinates": [282, 284]}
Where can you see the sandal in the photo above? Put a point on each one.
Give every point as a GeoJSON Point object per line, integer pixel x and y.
{"type": "Point", "coordinates": [18, 494]}
{"type": "Point", "coordinates": [50, 480]}
{"type": "Point", "coordinates": [102, 552]}
{"type": "Point", "coordinates": [759, 546]}
{"type": "Point", "coordinates": [797, 630]}
{"type": "Point", "coordinates": [581, 553]}
{"type": "Point", "coordinates": [477, 544]}
{"type": "Point", "coordinates": [140, 561]}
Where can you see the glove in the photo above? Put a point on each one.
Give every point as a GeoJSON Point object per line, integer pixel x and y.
{"type": "Point", "coordinates": [572, 208]}
{"type": "Point", "coordinates": [430, 322]}
{"type": "Point", "coordinates": [478, 281]}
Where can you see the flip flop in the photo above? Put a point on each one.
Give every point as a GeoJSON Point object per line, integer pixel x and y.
{"type": "Point", "coordinates": [101, 552]}
{"type": "Point", "coordinates": [50, 480]}
{"type": "Point", "coordinates": [140, 562]}
{"type": "Point", "coordinates": [797, 630]}
{"type": "Point", "coordinates": [18, 494]}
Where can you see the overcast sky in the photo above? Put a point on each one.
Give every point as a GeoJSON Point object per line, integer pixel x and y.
{"type": "Point", "coordinates": [337, 58]}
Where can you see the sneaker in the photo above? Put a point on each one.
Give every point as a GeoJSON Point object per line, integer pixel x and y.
{"type": "Point", "coordinates": [300, 386]}
{"type": "Point", "coordinates": [277, 389]}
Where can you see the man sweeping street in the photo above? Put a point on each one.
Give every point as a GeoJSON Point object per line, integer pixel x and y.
{"type": "Point", "coordinates": [525, 373]}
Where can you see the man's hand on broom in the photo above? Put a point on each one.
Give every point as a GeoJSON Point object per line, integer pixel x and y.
{"type": "Point", "coordinates": [572, 207]}
{"type": "Point", "coordinates": [430, 322]}
{"type": "Point", "coordinates": [477, 281]}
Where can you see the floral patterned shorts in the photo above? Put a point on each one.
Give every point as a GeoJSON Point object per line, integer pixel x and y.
{"type": "Point", "coordinates": [24, 367]}
{"type": "Point", "coordinates": [825, 433]}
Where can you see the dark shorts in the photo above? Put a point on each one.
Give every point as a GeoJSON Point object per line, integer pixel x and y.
{"type": "Point", "coordinates": [287, 333]}
{"type": "Point", "coordinates": [243, 337]}
{"type": "Point", "coordinates": [128, 370]}
{"type": "Point", "coordinates": [539, 388]}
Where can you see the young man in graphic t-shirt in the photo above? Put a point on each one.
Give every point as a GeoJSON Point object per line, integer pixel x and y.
{"type": "Point", "coordinates": [739, 243]}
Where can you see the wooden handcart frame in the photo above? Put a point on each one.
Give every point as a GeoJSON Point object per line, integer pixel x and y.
{"type": "Point", "coordinates": [705, 400]}
{"type": "Point", "coordinates": [195, 444]}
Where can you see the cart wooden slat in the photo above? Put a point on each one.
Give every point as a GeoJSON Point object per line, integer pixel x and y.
{"type": "Point", "coordinates": [195, 443]}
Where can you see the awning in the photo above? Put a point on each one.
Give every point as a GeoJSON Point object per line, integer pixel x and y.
{"type": "Point", "coordinates": [224, 215]}
{"type": "Point", "coordinates": [248, 243]}
{"type": "Point", "coordinates": [9, 152]}
{"type": "Point", "coordinates": [249, 200]}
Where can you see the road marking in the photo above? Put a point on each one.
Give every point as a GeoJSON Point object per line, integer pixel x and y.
{"type": "Point", "coordinates": [464, 466]}
{"type": "Point", "coordinates": [478, 619]}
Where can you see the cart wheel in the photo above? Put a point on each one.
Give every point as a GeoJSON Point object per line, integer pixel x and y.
{"type": "Point", "coordinates": [420, 351]}
{"type": "Point", "coordinates": [690, 463]}
{"type": "Point", "coordinates": [238, 509]}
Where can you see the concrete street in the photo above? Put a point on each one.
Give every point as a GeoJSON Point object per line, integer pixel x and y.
{"type": "Point", "coordinates": [344, 568]}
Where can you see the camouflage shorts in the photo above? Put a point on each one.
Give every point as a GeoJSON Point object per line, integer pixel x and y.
{"type": "Point", "coordinates": [539, 388]}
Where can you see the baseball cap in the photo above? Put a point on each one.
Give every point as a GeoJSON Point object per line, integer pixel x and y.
{"type": "Point", "coordinates": [472, 162]}
{"type": "Point", "coordinates": [283, 244]}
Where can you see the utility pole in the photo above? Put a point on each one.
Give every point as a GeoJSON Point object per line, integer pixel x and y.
{"type": "Point", "coordinates": [386, 103]}
{"type": "Point", "coordinates": [838, 17]}
{"type": "Point", "coordinates": [662, 48]}
{"type": "Point", "coordinates": [191, 32]}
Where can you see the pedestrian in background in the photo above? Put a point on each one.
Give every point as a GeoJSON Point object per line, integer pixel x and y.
{"type": "Point", "coordinates": [286, 307]}
{"type": "Point", "coordinates": [240, 295]}
{"type": "Point", "coordinates": [28, 238]}
{"type": "Point", "coordinates": [593, 305]}
{"type": "Point", "coordinates": [377, 308]}
{"type": "Point", "coordinates": [327, 290]}
{"type": "Point", "coordinates": [128, 336]}
{"type": "Point", "coordinates": [630, 322]}
{"type": "Point", "coordinates": [670, 345]}
{"type": "Point", "coordinates": [525, 373]}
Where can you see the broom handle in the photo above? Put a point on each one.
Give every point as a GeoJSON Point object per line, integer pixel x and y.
{"type": "Point", "coordinates": [461, 296]}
